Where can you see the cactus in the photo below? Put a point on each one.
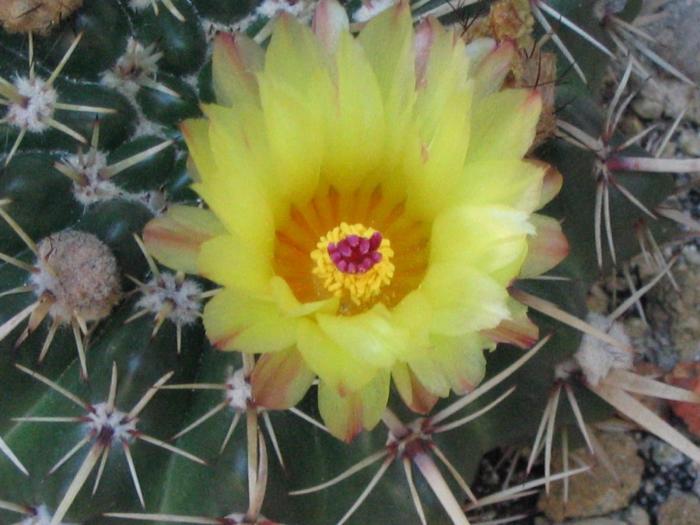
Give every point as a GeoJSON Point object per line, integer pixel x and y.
{"type": "Point", "coordinates": [118, 405]}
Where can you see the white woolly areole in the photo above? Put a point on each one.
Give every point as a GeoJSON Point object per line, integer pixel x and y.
{"type": "Point", "coordinates": [110, 424]}
{"type": "Point", "coordinates": [239, 391]}
{"type": "Point", "coordinates": [184, 298]}
{"type": "Point", "coordinates": [92, 187]}
{"type": "Point", "coordinates": [140, 5]}
{"type": "Point", "coordinates": [138, 64]}
{"type": "Point", "coordinates": [371, 8]}
{"type": "Point", "coordinates": [79, 273]}
{"type": "Point", "coordinates": [37, 106]}
{"type": "Point", "coordinates": [597, 358]}
{"type": "Point", "coordinates": [41, 516]}
{"type": "Point", "coordinates": [270, 8]}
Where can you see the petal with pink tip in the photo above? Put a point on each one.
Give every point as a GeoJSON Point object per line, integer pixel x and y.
{"type": "Point", "coordinates": [235, 321]}
{"type": "Point", "coordinates": [546, 249]}
{"type": "Point", "coordinates": [412, 392]}
{"type": "Point", "coordinates": [551, 182]}
{"type": "Point", "coordinates": [176, 237]}
{"type": "Point", "coordinates": [518, 330]}
{"type": "Point", "coordinates": [455, 363]}
{"type": "Point", "coordinates": [346, 416]}
{"type": "Point", "coordinates": [330, 20]}
{"type": "Point", "coordinates": [236, 60]}
{"type": "Point", "coordinates": [491, 70]}
{"type": "Point", "coordinates": [280, 379]}
{"type": "Point", "coordinates": [503, 125]}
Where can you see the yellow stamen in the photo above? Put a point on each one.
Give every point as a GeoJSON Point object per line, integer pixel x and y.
{"type": "Point", "coordinates": [360, 287]}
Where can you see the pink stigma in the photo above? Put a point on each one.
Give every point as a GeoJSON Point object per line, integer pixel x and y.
{"type": "Point", "coordinates": [356, 254]}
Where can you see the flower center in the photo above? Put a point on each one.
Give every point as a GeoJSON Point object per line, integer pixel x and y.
{"type": "Point", "coordinates": [353, 261]}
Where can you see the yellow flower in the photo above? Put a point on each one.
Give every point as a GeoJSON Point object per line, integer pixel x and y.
{"type": "Point", "coordinates": [368, 207]}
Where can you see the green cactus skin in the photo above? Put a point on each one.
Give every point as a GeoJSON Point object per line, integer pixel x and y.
{"type": "Point", "coordinates": [42, 202]}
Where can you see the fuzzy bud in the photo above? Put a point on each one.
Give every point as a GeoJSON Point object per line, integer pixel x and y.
{"type": "Point", "coordinates": [80, 274]}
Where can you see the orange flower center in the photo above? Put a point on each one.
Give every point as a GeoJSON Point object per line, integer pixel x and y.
{"type": "Point", "coordinates": [345, 224]}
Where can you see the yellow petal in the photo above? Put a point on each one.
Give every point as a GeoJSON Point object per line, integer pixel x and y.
{"type": "Point", "coordinates": [412, 392]}
{"type": "Point", "coordinates": [455, 363]}
{"type": "Point", "coordinates": [551, 182]}
{"type": "Point", "coordinates": [229, 261]}
{"type": "Point", "coordinates": [414, 315]}
{"type": "Point", "coordinates": [235, 60]}
{"type": "Point", "coordinates": [355, 126]}
{"type": "Point", "coordinates": [369, 336]}
{"type": "Point", "coordinates": [245, 212]}
{"type": "Point", "coordinates": [238, 140]}
{"type": "Point", "coordinates": [443, 116]}
{"type": "Point", "coordinates": [346, 416]}
{"type": "Point", "coordinates": [294, 55]}
{"type": "Point", "coordinates": [547, 248]}
{"type": "Point", "coordinates": [463, 299]}
{"type": "Point", "coordinates": [329, 23]}
{"type": "Point", "coordinates": [388, 43]}
{"type": "Point", "coordinates": [235, 321]}
{"type": "Point", "coordinates": [503, 125]}
{"type": "Point", "coordinates": [290, 305]}
{"type": "Point", "coordinates": [176, 237]}
{"type": "Point", "coordinates": [280, 380]}
{"type": "Point", "coordinates": [491, 239]}
{"type": "Point", "coordinates": [519, 330]}
{"type": "Point", "coordinates": [196, 134]}
{"type": "Point", "coordinates": [336, 367]}
{"type": "Point", "coordinates": [491, 69]}
{"type": "Point", "coordinates": [514, 183]}
{"type": "Point", "coordinates": [294, 130]}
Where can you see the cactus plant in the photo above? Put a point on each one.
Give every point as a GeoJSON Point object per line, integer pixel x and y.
{"type": "Point", "coordinates": [135, 201]}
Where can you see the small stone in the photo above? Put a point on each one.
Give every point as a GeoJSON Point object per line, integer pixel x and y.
{"type": "Point", "coordinates": [680, 509]}
{"type": "Point", "coordinates": [674, 312]}
{"type": "Point", "coordinates": [636, 515]}
{"type": "Point", "coordinates": [597, 492]}
{"type": "Point", "coordinates": [648, 108]}
{"type": "Point", "coordinates": [689, 142]}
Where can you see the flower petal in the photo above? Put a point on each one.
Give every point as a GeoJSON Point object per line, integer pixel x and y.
{"type": "Point", "coordinates": [455, 363]}
{"type": "Point", "coordinates": [235, 61]}
{"type": "Point", "coordinates": [463, 299]}
{"type": "Point", "coordinates": [235, 321]}
{"type": "Point", "coordinates": [196, 135]}
{"type": "Point", "coordinates": [294, 130]}
{"type": "Point", "coordinates": [514, 183]}
{"type": "Point", "coordinates": [388, 43]}
{"type": "Point", "coordinates": [518, 330]}
{"type": "Point", "coordinates": [504, 125]}
{"type": "Point", "coordinates": [346, 416]}
{"type": "Point", "coordinates": [412, 392]}
{"type": "Point", "coordinates": [293, 55]}
{"type": "Point", "coordinates": [547, 248]}
{"type": "Point", "coordinates": [280, 379]}
{"type": "Point", "coordinates": [355, 125]}
{"type": "Point", "coordinates": [490, 70]}
{"type": "Point", "coordinates": [229, 261]}
{"type": "Point", "coordinates": [337, 368]}
{"type": "Point", "coordinates": [443, 111]}
{"type": "Point", "coordinates": [494, 239]}
{"type": "Point", "coordinates": [176, 237]}
{"type": "Point", "coordinates": [551, 182]}
{"type": "Point", "coordinates": [369, 336]}
{"type": "Point", "coordinates": [329, 23]}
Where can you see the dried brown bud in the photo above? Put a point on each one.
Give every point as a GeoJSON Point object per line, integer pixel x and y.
{"type": "Point", "coordinates": [80, 273]}
{"type": "Point", "coordinates": [36, 16]}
